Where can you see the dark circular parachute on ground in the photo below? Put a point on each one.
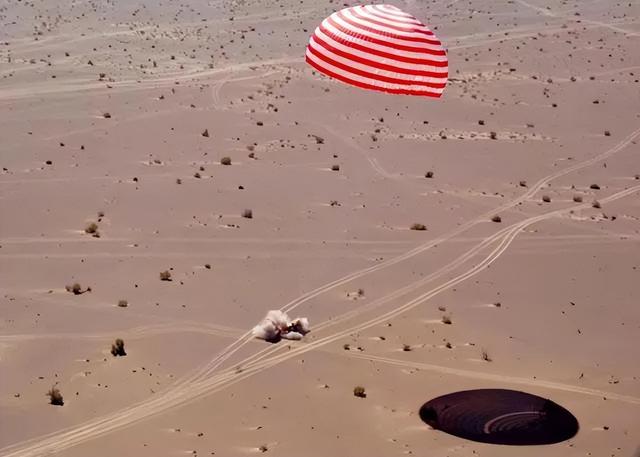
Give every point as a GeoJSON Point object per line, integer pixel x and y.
{"type": "Point", "coordinates": [500, 416]}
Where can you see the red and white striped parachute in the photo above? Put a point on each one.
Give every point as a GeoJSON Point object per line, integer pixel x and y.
{"type": "Point", "coordinates": [382, 48]}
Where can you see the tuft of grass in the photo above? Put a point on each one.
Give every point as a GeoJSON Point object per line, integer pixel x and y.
{"type": "Point", "coordinates": [418, 226]}
{"type": "Point", "coordinates": [76, 289]}
{"type": "Point", "coordinates": [117, 348]}
{"type": "Point", "coordinates": [123, 303]}
{"type": "Point", "coordinates": [496, 218]}
{"type": "Point", "coordinates": [546, 199]}
{"type": "Point", "coordinates": [359, 392]}
{"type": "Point", "coordinates": [225, 161]}
{"type": "Point", "coordinates": [485, 356]}
{"type": "Point", "coordinates": [577, 198]}
{"type": "Point", "coordinates": [596, 204]}
{"type": "Point", "coordinates": [428, 174]}
{"type": "Point", "coordinates": [55, 397]}
{"type": "Point", "coordinates": [92, 229]}
{"type": "Point", "coordinates": [446, 319]}
{"type": "Point", "coordinates": [247, 213]}
{"type": "Point", "coordinates": [335, 167]}
{"type": "Point", "coordinates": [165, 275]}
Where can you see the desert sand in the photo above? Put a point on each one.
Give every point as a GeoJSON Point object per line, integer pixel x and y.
{"type": "Point", "coordinates": [119, 114]}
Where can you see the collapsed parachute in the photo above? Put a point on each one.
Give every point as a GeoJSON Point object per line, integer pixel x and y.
{"type": "Point", "coordinates": [379, 47]}
{"type": "Point", "coordinates": [277, 325]}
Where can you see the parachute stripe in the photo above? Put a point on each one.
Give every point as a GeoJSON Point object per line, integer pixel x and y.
{"type": "Point", "coordinates": [394, 45]}
{"type": "Point", "coordinates": [362, 82]}
{"type": "Point", "coordinates": [381, 48]}
{"type": "Point", "coordinates": [397, 26]}
{"type": "Point", "coordinates": [378, 76]}
{"type": "Point", "coordinates": [415, 70]}
{"type": "Point", "coordinates": [366, 50]}
{"type": "Point", "coordinates": [357, 23]}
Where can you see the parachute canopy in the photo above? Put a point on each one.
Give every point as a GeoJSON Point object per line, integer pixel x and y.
{"type": "Point", "coordinates": [379, 47]}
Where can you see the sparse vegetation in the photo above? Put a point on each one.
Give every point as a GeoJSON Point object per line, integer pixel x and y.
{"type": "Point", "coordinates": [107, 115]}
{"type": "Point", "coordinates": [117, 348]}
{"type": "Point", "coordinates": [359, 392]}
{"type": "Point", "coordinates": [546, 199]}
{"type": "Point", "coordinates": [485, 356]}
{"type": "Point", "coordinates": [55, 397]}
{"type": "Point", "coordinates": [346, 346]}
{"type": "Point", "coordinates": [523, 183]}
{"type": "Point", "coordinates": [446, 319]}
{"type": "Point", "coordinates": [335, 167]}
{"type": "Point", "coordinates": [577, 198]}
{"type": "Point", "coordinates": [263, 448]}
{"type": "Point", "coordinates": [493, 135]}
{"type": "Point", "coordinates": [197, 175]}
{"type": "Point", "coordinates": [207, 266]}
{"type": "Point", "coordinates": [76, 289]}
{"type": "Point", "coordinates": [178, 181]}
{"type": "Point", "coordinates": [406, 348]}
{"type": "Point", "coordinates": [496, 218]}
{"type": "Point", "coordinates": [205, 133]}
{"type": "Point", "coordinates": [607, 133]}
{"type": "Point", "coordinates": [165, 275]}
{"type": "Point", "coordinates": [448, 345]}
{"type": "Point", "coordinates": [225, 161]}
{"type": "Point", "coordinates": [123, 303]}
{"type": "Point", "coordinates": [92, 229]}
{"type": "Point", "coordinates": [418, 226]}
{"type": "Point", "coordinates": [596, 204]}
{"type": "Point", "coordinates": [428, 174]}
{"type": "Point", "coordinates": [247, 213]}
{"type": "Point", "coordinates": [594, 187]}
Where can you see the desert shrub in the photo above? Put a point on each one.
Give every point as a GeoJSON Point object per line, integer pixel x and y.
{"type": "Point", "coordinates": [197, 175]}
{"type": "Point", "coordinates": [205, 133]}
{"type": "Point", "coordinates": [207, 266]}
{"type": "Point", "coordinates": [496, 218]}
{"type": "Point", "coordinates": [335, 167]}
{"type": "Point", "coordinates": [91, 229]}
{"type": "Point", "coordinates": [577, 198]}
{"type": "Point", "coordinates": [418, 226]}
{"type": "Point", "coordinates": [123, 303]}
{"type": "Point", "coordinates": [546, 199]}
{"type": "Point", "coordinates": [117, 348]}
{"type": "Point", "coordinates": [607, 133]}
{"type": "Point", "coordinates": [225, 161]}
{"type": "Point", "coordinates": [165, 275]}
{"type": "Point", "coordinates": [523, 183]}
{"type": "Point", "coordinates": [107, 115]}
{"type": "Point", "coordinates": [247, 213]}
{"type": "Point", "coordinates": [446, 319]}
{"type": "Point", "coordinates": [359, 392]}
{"type": "Point", "coordinates": [406, 347]}
{"type": "Point", "coordinates": [594, 187]}
{"type": "Point", "coordinates": [55, 397]}
{"type": "Point", "coordinates": [493, 135]}
{"type": "Point", "coordinates": [596, 204]}
{"type": "Point", "coordinates": [428, 174]}
{"type": "Point", "coordinates": [485, 355]}
{"type": "Point", "coordinates": [75, 288]}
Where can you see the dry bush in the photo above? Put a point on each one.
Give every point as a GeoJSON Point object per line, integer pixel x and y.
{"type": "Point", "coordinates": [485, 356]}
{"type": "Point", "coordinates": [76, 289]}
{"type": "Point", "coordinates": [225, 161]}
{"type": "Point", "coordinates": [577, 198]}
{"type": "Point", "coordinates": [447, 320]}
{"type": "Point", "coordinates": [493, 135]}
{"type": "Point", "coordinates": [546, 199]}
{"type": "Point", "coordinates": [165, 275]}
{"type": "Point", "coordinates": [205, 133]}
{"type": "Point", "coordinates": [418, 226]}
{"type": "Point", "coordinates": [92, 229]}
{"type": "Point", "coordinates": [596, 204]}
{"type": "Point", "coordinates": [123, 303]}
{"type": "Point", "coordinates": [107, 115]}
{"type": "Point", "coordinates": [55, 397]}
{"type": "Point", "coordinates": [247, 213]}
{"type": "Point", "coordinates": [359, 392]}
{"type": "Point", "coordinates": [428, 174]}
{"type": "Point", "coordinates": [335, 167]}
{"type": "Point", "coordinates": [406, 348]}
{"type": "Point", "coordinates": [523, 183]}
{"type": "Point", "coordinates": [117, 348]}
{"type": "Point", "coordinates": [496, 218]}
{"type": "Point", "coordinates": [594, 187]}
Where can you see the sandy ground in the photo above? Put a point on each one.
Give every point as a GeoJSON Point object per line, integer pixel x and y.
{"type": "Point", "coordinates": [548, 77]}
